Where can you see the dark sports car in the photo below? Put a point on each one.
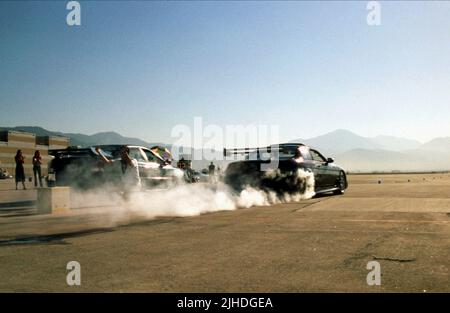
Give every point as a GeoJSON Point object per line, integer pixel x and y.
{"type": "Point", "coordinates": [328, 176]}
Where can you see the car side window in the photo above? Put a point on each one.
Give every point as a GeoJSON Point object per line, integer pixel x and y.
{"type": "Point", "coordinates": [317, 156]}
{"type": "Point", "coordinates": [306, 155]}
{"type": "Point", "coordinates": [135, 153]}
{"type": "Point", "coordinates": [150, 156]}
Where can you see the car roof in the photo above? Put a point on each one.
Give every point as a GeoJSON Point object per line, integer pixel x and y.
{"type": "Point", "coordinates": [129, 146]}
{"type": "Point", "coordinates": [292, 144]}
{"type": "Point", "coordinates": [289, 144]}
{"type": "Point", "coordinates": [121, 145]}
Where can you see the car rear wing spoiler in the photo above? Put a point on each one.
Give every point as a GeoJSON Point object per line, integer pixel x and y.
{"type": "Point", "coordinates": [228, 152]}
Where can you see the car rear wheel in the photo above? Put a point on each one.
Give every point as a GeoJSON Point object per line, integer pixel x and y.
{"type": "Point", "coordinates": [342, 184]}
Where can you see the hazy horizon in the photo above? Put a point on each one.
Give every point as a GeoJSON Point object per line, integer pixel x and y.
{"type": "Point", "coordinates": [289, 140]}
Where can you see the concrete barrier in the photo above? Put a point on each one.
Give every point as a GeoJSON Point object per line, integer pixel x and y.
{"type": "Point", "coordinates": [53, 200]}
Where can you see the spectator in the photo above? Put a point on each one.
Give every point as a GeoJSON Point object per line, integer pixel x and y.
{"type": "Point", "coordinates": [130, 170]}
{"type": "Point", "coordinates": [212, 169]}
{"type": "Point", "coordinates": [212, 172]}
{"type": "Point", "coordinates": [20, 172]}
{"type": "Point", "coordinates": [37, 162]}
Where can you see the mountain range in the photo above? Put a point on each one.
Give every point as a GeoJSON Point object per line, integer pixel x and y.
{"type": "Point", "coordinates": [82, 140]}
{"type": "Point", "coordinates": [355, 153]}
{"type": "Point", "coordinates": [342, 140]}
{"type": "Point", "coordinates": [382, 153]}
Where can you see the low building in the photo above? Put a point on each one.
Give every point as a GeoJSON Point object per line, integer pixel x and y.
{"type": "Point", "coordinates": [11, 141]}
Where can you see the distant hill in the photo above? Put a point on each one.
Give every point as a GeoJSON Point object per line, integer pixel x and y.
{"type": "Point", "coordinates": [339, 141]}
{"type": "Point", "coordinates": [83, 140]}
{"type": "Point", "coordinates": [364, 160]}
{"type": "Point", "coordinates": [342, 140]}
{"type": "Point", "coordinates": [382, 153]}
{"type": "Point", "coordinates": [395, 143]}
{"type": "Point", "coordinates": [439, 144]}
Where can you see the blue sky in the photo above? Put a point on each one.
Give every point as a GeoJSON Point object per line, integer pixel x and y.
{"type": "Point", "coordinates": [142, 67]}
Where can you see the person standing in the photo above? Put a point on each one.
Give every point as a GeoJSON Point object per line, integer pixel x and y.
{"type": "Point", "coordinates": [20, 172]}
{"type": "Point", "coordinates": [131, 180]}
{"type": "Point", "coordinates": [37, 162]}
{"type": "Point", "coordinates": [130, 170]}
{"type": "Point", "coordinates": [212, 169]}
{"type": "Point", "coordinates": [212, 172]}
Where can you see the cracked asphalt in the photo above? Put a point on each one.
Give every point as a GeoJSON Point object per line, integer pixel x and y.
{"type": "Point", "coordinates": [317, 245]}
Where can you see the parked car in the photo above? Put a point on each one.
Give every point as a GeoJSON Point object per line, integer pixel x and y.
{"type": "Point", "coordinates": [83, 168]}
{"type": "Point", "coordinates": [328, 176]}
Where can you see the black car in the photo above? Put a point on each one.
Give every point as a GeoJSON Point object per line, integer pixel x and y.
{"type": "Point", "coordinates": [328, 176]}
{"type": "Point", "coordinates": [83, 168]}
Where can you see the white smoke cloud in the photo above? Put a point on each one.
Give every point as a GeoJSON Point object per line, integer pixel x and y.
{"type": "Point", "coordinates": [188, 199]}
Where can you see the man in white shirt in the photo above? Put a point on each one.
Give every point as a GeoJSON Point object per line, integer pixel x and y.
{"type": "Point", "coordinates": [130, 170]}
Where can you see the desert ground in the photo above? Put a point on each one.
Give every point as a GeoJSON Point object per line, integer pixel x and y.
{"type": "Point", "coordinates": [317, 245]}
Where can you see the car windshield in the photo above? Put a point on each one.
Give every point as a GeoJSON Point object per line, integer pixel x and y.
{"type": "Point", "coordinates": [153, 157]}
{"type": "Point", "coordinates": [111, 152]}
{"type": "Point", "coordinates": [288, 151]}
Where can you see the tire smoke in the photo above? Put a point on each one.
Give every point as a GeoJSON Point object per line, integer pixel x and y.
{"type": "Point", "coordinates": [193, 199]}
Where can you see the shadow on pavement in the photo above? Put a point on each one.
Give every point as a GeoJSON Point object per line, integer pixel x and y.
{"type": "Point", "coordinates": [51, 239]}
